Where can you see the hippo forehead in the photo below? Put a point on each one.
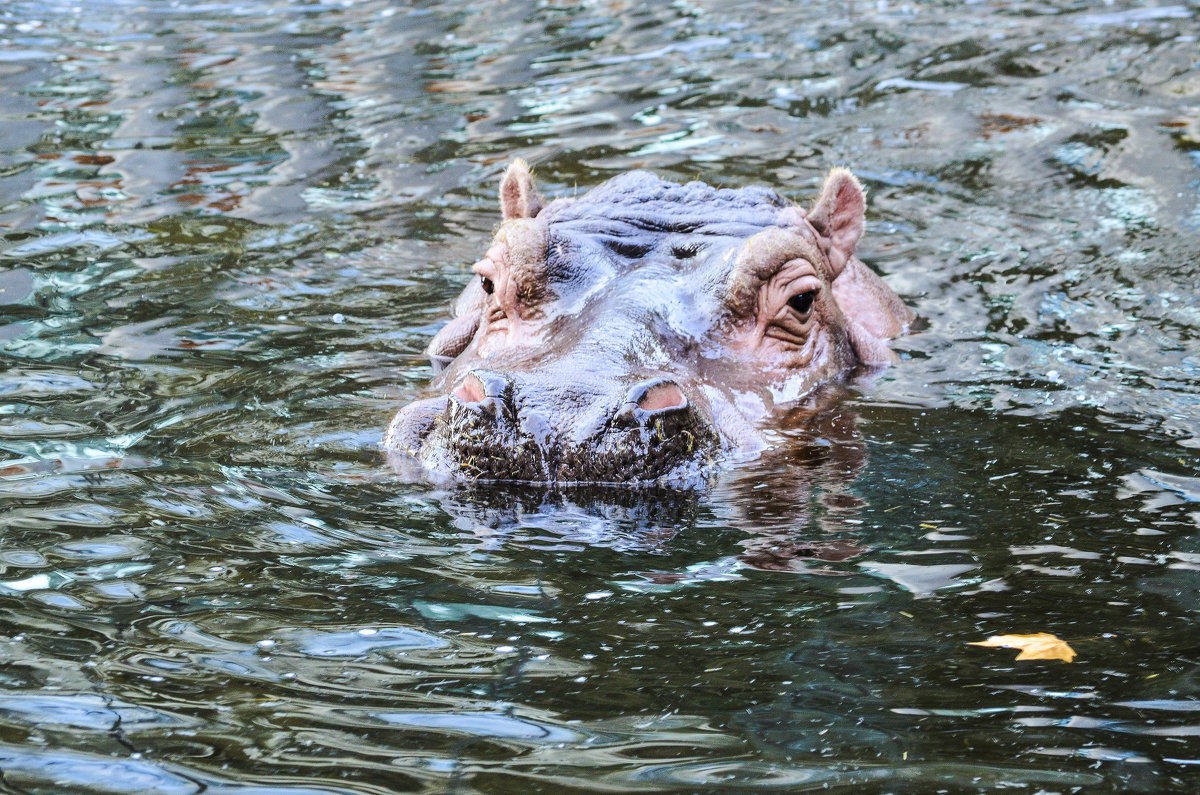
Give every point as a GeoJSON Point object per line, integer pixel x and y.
{"type": "Point", "coordinates": [635, 214]}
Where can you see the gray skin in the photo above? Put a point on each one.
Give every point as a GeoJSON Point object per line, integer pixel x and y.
{"type": "Point", "coordinates": [644, 331]}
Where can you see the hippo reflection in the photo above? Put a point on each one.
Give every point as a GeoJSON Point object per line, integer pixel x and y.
{"type": "Point", "coordinates": [795, 510]}
{"type": "Point", "coordinates": [645, 330]}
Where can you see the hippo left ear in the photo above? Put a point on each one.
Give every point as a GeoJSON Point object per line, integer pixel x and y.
{"type": "Point", "coordinates": [518, 196]}
{"type": "Point", "coordinates": [839, 215]}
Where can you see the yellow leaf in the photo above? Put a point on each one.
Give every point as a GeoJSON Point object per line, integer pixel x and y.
{"type": "Point", "coordinates": [1038, 646]}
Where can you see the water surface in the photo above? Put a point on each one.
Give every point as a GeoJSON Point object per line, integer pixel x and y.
{"type": "Point", "coordinates": [228, 229]}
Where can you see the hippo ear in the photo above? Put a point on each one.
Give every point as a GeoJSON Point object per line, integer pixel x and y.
{"type": "Point", "coordinates": [518, 197]}
{"type": "Point", "coordinates": [838, 215]}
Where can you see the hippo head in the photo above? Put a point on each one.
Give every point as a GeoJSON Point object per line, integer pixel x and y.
{"type": "Point", "coordinates": [641, 332]}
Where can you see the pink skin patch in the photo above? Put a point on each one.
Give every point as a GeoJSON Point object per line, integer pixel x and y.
{"type": "Point", "coordinates": [662, 397]}
{"type": "Point", "coordinates": [471, 390]}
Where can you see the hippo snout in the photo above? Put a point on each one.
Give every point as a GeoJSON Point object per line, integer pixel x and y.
{"type": "Point", "coordinates": [497, 396]}
{"type": "Point", "coordinates": [496, 426]}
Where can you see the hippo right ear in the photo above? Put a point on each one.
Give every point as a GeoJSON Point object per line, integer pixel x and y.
{"type": "Point", "coordinates": [839, 215]}
{"type": "Point", "coordinates": [518, 197]}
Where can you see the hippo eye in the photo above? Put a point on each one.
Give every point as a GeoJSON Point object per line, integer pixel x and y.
{"type": "Point", "coordinates": [803, 302]}
{"type": "Point", "coordinates": [488, 286]}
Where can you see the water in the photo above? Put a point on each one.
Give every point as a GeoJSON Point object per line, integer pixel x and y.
{"type": "Point", "coordinates": [228, 229]}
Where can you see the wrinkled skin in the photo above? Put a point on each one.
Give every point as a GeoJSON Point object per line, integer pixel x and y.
{"type": "Point", "coordinates": [642, 332]}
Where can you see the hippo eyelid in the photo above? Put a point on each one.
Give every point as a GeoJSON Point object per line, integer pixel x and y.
{"type": "Point", "coordinates": [797, 295]}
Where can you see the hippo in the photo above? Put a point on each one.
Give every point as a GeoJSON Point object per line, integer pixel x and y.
{"type": "Point", "coordinates": [644, 332]}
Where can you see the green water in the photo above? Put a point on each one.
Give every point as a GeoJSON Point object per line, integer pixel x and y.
{"type": "Point", "coordinates": [227, 230]}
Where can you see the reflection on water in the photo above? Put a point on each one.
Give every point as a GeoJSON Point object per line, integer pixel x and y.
{"type": "Point", "coordinates": [227, 230]}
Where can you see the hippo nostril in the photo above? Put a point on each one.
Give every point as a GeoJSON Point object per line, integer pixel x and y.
{"type": "Point", "coordinates": [662, 396]}
{"type": "Point", "coordinates": [654, 398]}
{"type": "Point", "coordinates": [470, 390]}
{"type": "Point", "coordinates": [483, 389]}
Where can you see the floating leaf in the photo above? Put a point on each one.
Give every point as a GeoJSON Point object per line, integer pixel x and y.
{"type": "Point", "coordinates": [1038, 646]}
